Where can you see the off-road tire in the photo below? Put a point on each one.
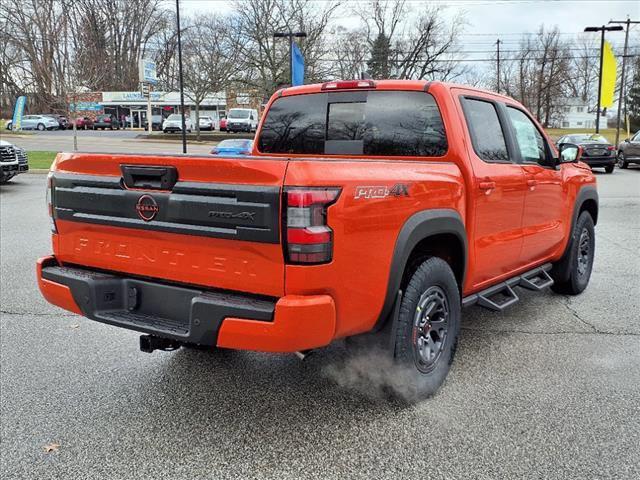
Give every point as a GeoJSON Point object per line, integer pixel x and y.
{"type": "Point", "coordinates": [571, 274]}
{"type": "Point", "coordinates": [432, 297]}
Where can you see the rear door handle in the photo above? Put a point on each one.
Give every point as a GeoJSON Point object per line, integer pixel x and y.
{"type": "Point", "coordinates": [532, 184]}
{"type": "Point", "coordinates": [488, 185]}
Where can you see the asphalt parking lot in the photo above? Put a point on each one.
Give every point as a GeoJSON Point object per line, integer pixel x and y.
{"type": "Point", "coordinates": [549, 389]}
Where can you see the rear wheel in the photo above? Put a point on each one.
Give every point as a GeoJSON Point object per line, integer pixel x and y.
{"type": "Point", "coordinates": [621, 162]}
{"type": "Point", "coordinates": [422, 340]}
{"type": "Point", "coordinates": [571, 275]}
{"type": "Point", "coordinates": [41, 127]}
{"type": "Point", "coordinates": [609, 168]}
{"type": "Point", "coordinates": [428, 327]}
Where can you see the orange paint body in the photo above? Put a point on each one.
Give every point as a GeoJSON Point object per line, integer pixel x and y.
{"type": "Point", "coordinates": [523, 220]}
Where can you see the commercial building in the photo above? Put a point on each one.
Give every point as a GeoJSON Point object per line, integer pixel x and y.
{"type": "Point", "coordinates": [133, 105]}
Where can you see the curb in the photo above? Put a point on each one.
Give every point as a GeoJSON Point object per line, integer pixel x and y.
{"type": "Point", "coordinates": [37, 170]}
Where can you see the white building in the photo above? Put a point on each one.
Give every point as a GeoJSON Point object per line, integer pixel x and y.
{"type": "Point", "coordinates": [574, 113]}
{"type": "Point", "coordinates": [134, 105]}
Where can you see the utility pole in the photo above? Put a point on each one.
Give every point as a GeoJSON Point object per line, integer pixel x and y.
{"type": "Point", "coordinates": [290, 36]}
{"type": "Point", "coordinates": [601, 29]}
{"type": "Point", "coordinates": [628, 23]}
{"type": "Point", "coordinates": [498, 63]}
{"type": "Point", "coordinates": [184, 123]}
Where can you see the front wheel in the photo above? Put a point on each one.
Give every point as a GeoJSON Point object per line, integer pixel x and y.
{"type": "Point", "coordinates": [609, 168]}
{"type": "Point", "coordinates": [571, 274]}
{"type": "Point", "coordinates": [621, 162]}
{"type": "Point", "coordinates": [41, 127]}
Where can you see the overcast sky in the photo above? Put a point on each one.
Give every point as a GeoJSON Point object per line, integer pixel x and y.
{"type": "Point", "coordinates": [503, 17]}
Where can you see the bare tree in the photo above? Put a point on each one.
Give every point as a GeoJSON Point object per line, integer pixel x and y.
{"type": "Point", "coordinates": [38, 30]}
{"type": "Point", "coordinates": [349, 52]}
{"type": "Point", "coordinates": [111, 37]}
{"type": "Point", "coordinates": [409, 43]}
{"type": "Point", "coordinates": [209, 62]}
{"type": "Point", "coordinates": [264, 59]}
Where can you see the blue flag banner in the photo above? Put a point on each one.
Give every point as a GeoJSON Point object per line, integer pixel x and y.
{"type": "Point", "coordinates": [297, 66]}
{"type": "Point", "coordinates": [18, 112]}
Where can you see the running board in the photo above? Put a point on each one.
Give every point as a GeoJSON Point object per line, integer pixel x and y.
{"type": "Point", "coordinates": [499, 297]}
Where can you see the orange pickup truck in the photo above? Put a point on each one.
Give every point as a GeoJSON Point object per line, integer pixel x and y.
{"type": "Point", "coordinates": [368, 210]}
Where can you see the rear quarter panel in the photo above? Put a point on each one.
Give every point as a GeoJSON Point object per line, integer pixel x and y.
{"type": "Point", "coordinates": [365, 229]}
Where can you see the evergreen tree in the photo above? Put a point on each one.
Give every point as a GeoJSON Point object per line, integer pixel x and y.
{"type": "Point", "coordinates": [380, 62]}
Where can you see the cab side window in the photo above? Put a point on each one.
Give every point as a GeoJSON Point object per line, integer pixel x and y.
{"type": "Point", "coordinates": [530, 142]}
{"type": "Point", "coordinates": [485, 130]}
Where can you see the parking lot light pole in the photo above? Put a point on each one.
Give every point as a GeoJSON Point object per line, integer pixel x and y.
{"type": "Point", "coordinates": [602, 29]}
{"type": "Point", "coordinates": [290, 36]}
{"type": "Point", "coordinates": [184, 123]}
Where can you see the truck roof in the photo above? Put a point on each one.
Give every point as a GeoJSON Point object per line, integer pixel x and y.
{"type": "Point", "coordinates": [410, 85]}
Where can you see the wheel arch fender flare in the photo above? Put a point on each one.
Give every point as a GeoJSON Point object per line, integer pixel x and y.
{"type": "Point", "coordinates": [420, 226]}
{"type": "Point", "coordinates": [588, 193]}
{"type": "Point", "coordinates": [587, 196]}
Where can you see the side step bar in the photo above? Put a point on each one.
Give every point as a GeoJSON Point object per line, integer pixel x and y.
{"type": "Point", "coordinates": [499, 297]}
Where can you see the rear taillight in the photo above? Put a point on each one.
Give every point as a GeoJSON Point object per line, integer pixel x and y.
{"type": "Point", "coordinates": [307, 237]}
{"type": "Point", "coordinates": [50, 194]}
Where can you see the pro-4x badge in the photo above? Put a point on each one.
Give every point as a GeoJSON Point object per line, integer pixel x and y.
{"type": "Point", "coordinates": [382, 191]}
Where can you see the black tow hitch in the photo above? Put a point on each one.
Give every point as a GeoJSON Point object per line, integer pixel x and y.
{"type": "Point", "coordinates": [149, 343]}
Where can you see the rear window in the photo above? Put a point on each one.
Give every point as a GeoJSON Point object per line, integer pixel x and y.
{"type": "Point", "coordinates": [372, 123]}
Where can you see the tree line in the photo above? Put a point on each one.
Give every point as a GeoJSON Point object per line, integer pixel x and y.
{"type": "Point", "coordinates": [55, 47]}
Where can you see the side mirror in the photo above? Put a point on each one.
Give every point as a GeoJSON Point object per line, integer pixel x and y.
{"type": "Point", "coordinates": [569, 152]}
{"type": "Point", "coordinates": [626, 140]}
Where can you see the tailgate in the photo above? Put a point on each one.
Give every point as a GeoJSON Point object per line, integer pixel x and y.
{"type": "Point", "coordinates": [206, 221]}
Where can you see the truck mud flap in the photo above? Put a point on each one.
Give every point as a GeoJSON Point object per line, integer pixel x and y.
{"type": "Point", "coordinates": [180, 313]}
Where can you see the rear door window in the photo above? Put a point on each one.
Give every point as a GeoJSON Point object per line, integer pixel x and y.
{"type": "Point", "coordinates": [371, 123]}
{"type": "Point", "coordinates": [485, 130]}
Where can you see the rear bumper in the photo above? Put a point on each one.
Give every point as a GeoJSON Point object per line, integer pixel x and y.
{"type": "Point", "coordinates": [187, 314]}
{"type": "Point", "coordinates": [599, 161]}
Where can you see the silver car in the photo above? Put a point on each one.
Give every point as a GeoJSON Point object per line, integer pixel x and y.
{"type": "Point", "coordinates": [37, 122]}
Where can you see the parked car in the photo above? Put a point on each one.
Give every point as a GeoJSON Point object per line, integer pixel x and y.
{"type": "Point", "coordinates": [36, 122]}
{"type": "Point", "coordinates": [350, 220]}
{"type": "Point", "coordinates": [156, 122]}
{"type": "Point", "coordinates": [105, 121]}
{"type": "Point", "coordinates": [629, 151]}
{"type": "Point", "coordinates": [63, 123]}
{"type": "Point", "coordinates": [206, 123]}
{"type": "Point", "coordinates": [13, 161]}
{"type": "Point", "coordinates": [173, 123]}
{"type": "Point", "coordinates": [597, 151]}
{"type": "Point", "coordinates": [84, 123]}
{"type": "Point", "coordinates": [233, 147]}
{"type": "Point", "coordinates": [223, 124]}
{"type": "Point", "coordinates": [242, 120]}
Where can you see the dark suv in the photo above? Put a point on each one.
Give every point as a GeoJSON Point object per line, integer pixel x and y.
{"type": "Point", "coordinates": [629, 151]}
{"type": "Point", "coordinates": [597, 151]}
{"type": "Point", "coordinates": [108, 120]}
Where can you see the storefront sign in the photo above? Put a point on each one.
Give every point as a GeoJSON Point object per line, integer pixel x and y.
{"type": "Point", "coordinates": [85, 107]}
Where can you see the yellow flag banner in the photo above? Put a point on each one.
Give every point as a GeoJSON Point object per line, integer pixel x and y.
{"type": "Point", "coordinates": [609, 71]}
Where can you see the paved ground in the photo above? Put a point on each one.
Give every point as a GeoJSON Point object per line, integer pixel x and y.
{"type": "Point", "coordinates": [549, 389]}
{"type": "Point", "coordinates": [118, 141]}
